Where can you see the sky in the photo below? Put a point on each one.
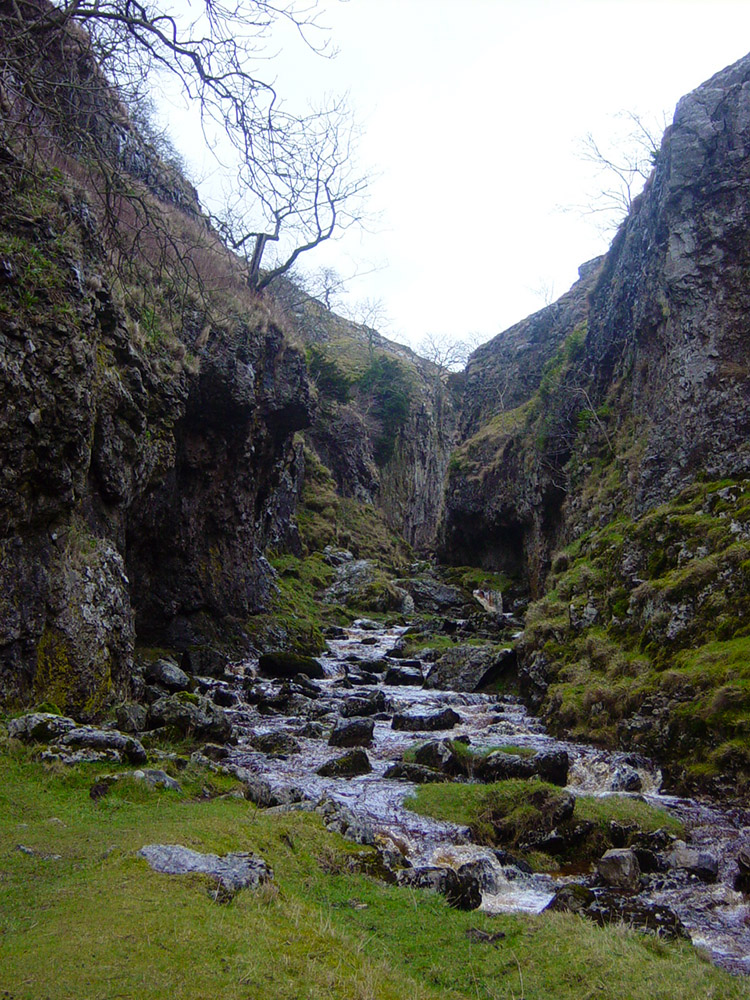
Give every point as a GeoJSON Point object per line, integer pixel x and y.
{"type": "Point", "coordinates": [472, 115]}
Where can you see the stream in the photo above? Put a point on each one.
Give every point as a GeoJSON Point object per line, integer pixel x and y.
{"type": "Point", "coordinates": [716, 917]}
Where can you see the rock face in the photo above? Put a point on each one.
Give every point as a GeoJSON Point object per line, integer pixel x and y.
{"type": "Point", "coordinates": [653, 335]}
{"type": "Point", "coordinates": [143, 473]}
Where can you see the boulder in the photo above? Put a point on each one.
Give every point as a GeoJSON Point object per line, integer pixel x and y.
{"type": "Point", "coordinates": [742, 878]}
{"type": "Point", "coordinates": [190, 715]}
{"type": "Point", "coordinates": [461, 890]}
{"type": "Point", "coordinates": [418, 722]}
{"type": "Point", "coordinates": [231, 872]}
{"type": "Point", "coordinates": [275, 744]}
{"type": "Point", "coordinates": [286, 665]}
{"type": "Point", "coordinates": [347, 766]}
{"type": "Point", "coordinates": [40, 727]}
{"type": "Point", "coordinates": [439, 755]}
{"type": "Point", "coordinates": [167, 674]}
{"type": "Point", "coordinates": [499, 766]}
{"type": "Point", "coordinates": [552, 766]}
{"type": "Point", "coordinates": [89, 738]}
{"type": "Point", "coordinates": [352, 733]}
{"type": "Point", "coordinates": [131, 717]}
{"type": "Point", "coordinates": [699, 863]}
{"type": "Point", "coordinates": [470, 668]}
{"type": "Point", "coordinates": [605, 907]}
{"type": "Point", "coordinates": [363, 705]}
{"type": "Point", "coordinates": [403, 675]}
{"type": "Point", "coordinates": [619, 869]}
{"type": "Point", "coordinates": [432, 596]}
{"type": "Point", "coordinates": [418, 774]}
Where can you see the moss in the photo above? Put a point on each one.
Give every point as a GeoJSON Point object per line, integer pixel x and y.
{"type": "Point", "coordinates": [56, 673]}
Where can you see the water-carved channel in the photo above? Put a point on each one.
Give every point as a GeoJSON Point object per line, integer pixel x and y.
{"type": "Point", "coordinates": [715, 915]}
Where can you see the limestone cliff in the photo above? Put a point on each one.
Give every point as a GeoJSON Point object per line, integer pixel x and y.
{"type": "Point", "coordinates": [612, 428]}
{"type": "Point", "coordinates": [386, 421]}
{"type": "Point", "coordinates": [145, 433]}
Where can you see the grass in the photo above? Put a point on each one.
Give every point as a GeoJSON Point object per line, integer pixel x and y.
{"type": "Point", "coordinates": [99, 923]}
{"type": "Point", "coordinates": [503, 812]}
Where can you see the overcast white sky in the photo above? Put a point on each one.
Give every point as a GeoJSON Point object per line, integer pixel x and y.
{"type": "Point", "coordinates": [472, 112]}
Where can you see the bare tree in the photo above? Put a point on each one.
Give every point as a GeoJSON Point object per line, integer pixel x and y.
{"type": "Point", "coordinates": [294, 173]}
{"type": "Point", "coordinates": [623, 164]}
{"type": "Point", "coordinates": [446, 353]}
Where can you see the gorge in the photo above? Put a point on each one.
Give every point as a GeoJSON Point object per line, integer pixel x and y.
{"type": "Point", "coordinates": [239, 531]}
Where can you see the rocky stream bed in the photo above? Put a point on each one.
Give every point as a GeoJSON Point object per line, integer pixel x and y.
{"type": "Point", "coordinates": [380, 708]}
{"type": "Point", "coordinates": [353, 738]}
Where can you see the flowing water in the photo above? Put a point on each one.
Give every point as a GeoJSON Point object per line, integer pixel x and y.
{"type": "Point", "coordinates": [716, 917]}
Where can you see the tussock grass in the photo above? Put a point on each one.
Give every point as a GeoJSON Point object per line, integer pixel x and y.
{"type": "Point", "coordinates": [99, 923]}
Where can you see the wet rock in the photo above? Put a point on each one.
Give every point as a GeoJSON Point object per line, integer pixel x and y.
{"type": "Point", "coordinates": [609, 908]}
{"type": "Point", "coordinates": [742, 878]}
{"type": "Point", "coordinates": [470, 668]}
{"type": "Point", "coordinates": [363, 706]}
{"type": "Point", "coordinates": [339, 819]}
{"type": "Point", "coordinates": [190, 715]}
{"type": "Point", "coordinates": [486, 874]}
{"type": "Point", "coordinates": [131, 717]}
{"type": "Point", "coordinates": [418, 774]}
{"type": "Point", "coordinates": [168, 675]}
{"type": "Point", "coordinates": [619, 869]}
{"type": "Point", "coordinates": [432, 596]}
{"type": "Point", "coordinates": [500, 766]}
{"type": "Point", "coordinates": [262, 793]}
{"type": "Point", "coordinates": [311, 731]}
{"type": "Point", "coordinates": [40, 727]}
{"type": "Point", "coordinates": [461, 891]}
{"type": "Point", "coordinates": [275, 744]}
{"type": "Point", "coordinates": [215, 751]}
{"type": "Point", "coordinates": [369, 640]}
{"type": "Point", "coordinates": [626, 779]}
{"type": "Point", "coordinates": [699, 863]}
{"type": "Point", "coordinates": [363, 678]}
{"type": "Point", "coordinates": [552, 766]}
{"type": "Point", "coordinates": [352, 733]}
{"type": "Point", "coordinates": [440, 755]}
{"type": "Point", "coordinates": [605, 907]}
{"type": "Point", "coordinates": [288, 665]}
{"type": "Point", "coordinates": [231, 872]}
{"type": "Point", "coordinates": [508, 860]}
{"type": "Point", "coordinates": [404, 675]}
{"type": "Point", "coordinates": [88, 738]}
{"type": "Point", "coordinates": [417, 722]}
{"type": "Point", "coordinates": [335, 632]}
{"type": "Point", "coordinates": [573, 898]}
{"type": "Point", "coordinates": [347, 766]}
{"type": "Point", "coordinates": [224, 697]}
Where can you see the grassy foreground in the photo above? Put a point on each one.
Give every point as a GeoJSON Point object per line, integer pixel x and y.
{"type": "Point", "coordinates": [97, 923]}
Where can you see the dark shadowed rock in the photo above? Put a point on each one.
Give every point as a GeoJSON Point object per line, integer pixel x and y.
{"type": "Point", "coordinates": [461, 890]}
{"type": "Point", "coordinates": [190, 715]}
{"type": "Point", "coordinates": [352, 733]}
{"type": "Point", "coordinates": [168, 675]}
{"type": "Point", "coordinates": [404, 676]}
{"type": "Point", "coordinates": [418, 774]}
{"type": "Point", "coordinates": [439, 755]}
{"type": "Point", "coordinates": [347, 766]}
{"type": "Point", "coordinates": [416, 722]}
{"type": "Point", "coordinates": [275, 744]}
{"type": "Point", "coordinates": [363, 706]}
{"type": "Point", "coordinates": [288, 665]}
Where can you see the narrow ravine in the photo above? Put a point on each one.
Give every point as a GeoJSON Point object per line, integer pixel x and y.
{"type": "Point", "coordinates": [296, 721]}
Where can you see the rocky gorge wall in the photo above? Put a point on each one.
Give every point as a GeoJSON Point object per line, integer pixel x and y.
{"type": "Point", "coordinates": [146, 461]}
{"type": "Point", "coordinates": [604, 458]}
